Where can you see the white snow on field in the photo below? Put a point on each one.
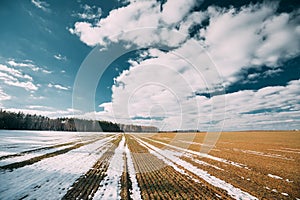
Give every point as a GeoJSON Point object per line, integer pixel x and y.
{"type": "Point", "coordinates": [30, 155]}
{"type": "Point", "coordinates": [190, 142]}
{"type": "Point", "coordinates": [5, 153]}
{"type": "Point", "coordinates": [284, 151]}
{"type": "Point", "coordinates": [168, 156]}
{"type": "Point", "coordinates": [274, 190]}
{"type": "Point", "coordinates": [200, 154]}
{"type": "Point", "coordinates": [288, 180]}
{"type": "Point", "coordinates": [18, 141]}
{"type": "Point", "coordinates": [165, 138]}
{"type": "Point", "coordinates": [266, 154]}
{"type": "Point", "coordinates": [274, 176]}
{"type": "Point", "coordinates": [292, 149]}
{"type": "Point", "coordinates": [167, 161]}
{"type": "Point", "coordinates": [110, 186]}
{"type": "Point", "coordinates": [202, 162]}
{"type": "Point", "coordinates": [51, 176]}
{"type": "Point", "coordinates": [136, 192]}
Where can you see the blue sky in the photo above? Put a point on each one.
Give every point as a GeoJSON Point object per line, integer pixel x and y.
{"type": "Point", "coordinates": [208, 65]}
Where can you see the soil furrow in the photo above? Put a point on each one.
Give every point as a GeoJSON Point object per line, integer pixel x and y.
{"type": "Point", "coordinates": [86, 185]}
{"type": "Point", "coordinates": [31, 161]}
{"type": "Point", "coordinates": [125, 181]}
{"type": "Point", "coordinates": [35, 150]}
{"type": "Point", "coordinates": [159, 181]}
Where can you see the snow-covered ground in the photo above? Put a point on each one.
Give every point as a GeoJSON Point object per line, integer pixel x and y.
{"type": "Point", "coordinates": [110, 186]}
{"type": "Point", "coordinates": [170, 157]}
{"type": "Point", "coordinates": [136, 192]}
{"type": "Point", "coordinates": [184, 151]}
{"type": "Point", "coordinates": [52, 176]}
{"type": "Point", "coordinates": [28, 156]}
{"type": "Point", "coordinates": [270, 155]}
{"type": "Point", "coordinates": [18, 141]}
{"type": "Point", "coordinates": [274, 176]}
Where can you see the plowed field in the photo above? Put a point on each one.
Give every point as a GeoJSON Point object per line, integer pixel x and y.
{"type": "Point", "coordinates": [58, 165]}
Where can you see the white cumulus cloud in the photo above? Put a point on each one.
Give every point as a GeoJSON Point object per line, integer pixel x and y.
{"type": "Point", "coordinates": [252, 36]}
{"type": "Point", "coordinates": [28, 64]}
{"type": "Point", "coordinates": [60, 57]}
{"type": "Point", "coordinates": [41, 5]}
{"type": "Point", "coordinates": [89, 12]}
{"type": "Point", "coordinates": [58, 86]}
{"type": "Point", "coordinates": [14, 77]}
{"type": "Point", "coordinates": [4, 96]}
{"type": "Point", "coordinates": [136, 15]}
{"type": "Point", "coordinates": [166, 86]}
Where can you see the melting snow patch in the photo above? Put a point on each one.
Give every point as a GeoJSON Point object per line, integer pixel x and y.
{"type": "Point", "coordinates": [285, 151]}
{"type": "Point", "coordinates": [52, 176]}
{"type": "Point", "coordinates": [285, 194]}
{"type": "Point", "coordinates": [200, 154]}
{"type": "Point", "coordinates": [292, 149]}
{"type": "Point", "coordinates": [202, 162]}
{"type": "Point", "coordinates": [266, 154]}
{"type": "Point", "coordinates": [31, 155]}
{"type": "Point", "coordinates": [136, 193]}
{"type": "Point", "coordinates": [274, 190]}
{"type": "Point", "coordinates": [112, 181]}
{"type": "Point", "coordinates": [274, 176]}
{"type": "Point", "coordinates": [168, 157]}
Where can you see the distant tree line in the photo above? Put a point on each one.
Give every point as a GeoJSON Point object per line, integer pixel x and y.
{"type": "Point", "coordinates": [21, 121]}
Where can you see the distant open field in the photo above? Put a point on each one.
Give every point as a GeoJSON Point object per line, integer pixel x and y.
{"type": "Point", "coordinates": [64, 165]}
